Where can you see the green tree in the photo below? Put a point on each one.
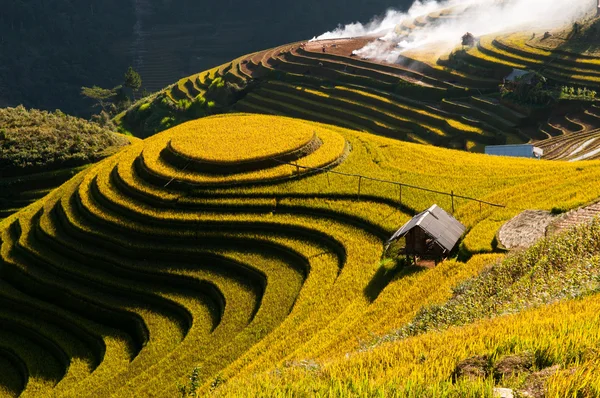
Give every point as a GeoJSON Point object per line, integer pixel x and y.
{"type": "Point", "coordinates": [133, 80]}
{"type": "Point", "coordinates": [116, 99]}
{"type": "Point", "coordinates": [103, 96]}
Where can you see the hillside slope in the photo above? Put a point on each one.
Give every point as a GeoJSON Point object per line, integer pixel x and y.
{"type": "Point", "coordinates": [41, 150]}
{"type": "Point", "coordinates": [428, 95]}
{"type": "Point", "coordinates": [527, 323]}
{"type": "Point", "coordinates": [179, 253]}
{"type": "Point", "coordinates": [54, 48]}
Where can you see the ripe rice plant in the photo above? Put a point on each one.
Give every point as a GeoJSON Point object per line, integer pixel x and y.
{"type": "Point", "coordinates": [146, 269]}
{"type": "Point", "coordinates": [262, 137]}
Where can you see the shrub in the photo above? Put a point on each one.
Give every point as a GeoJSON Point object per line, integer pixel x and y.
{"type": "Point", "coordinates": [33, 140]}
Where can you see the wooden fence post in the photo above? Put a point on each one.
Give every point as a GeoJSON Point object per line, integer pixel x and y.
{"type": "Point", "coordinates": [452, 195]}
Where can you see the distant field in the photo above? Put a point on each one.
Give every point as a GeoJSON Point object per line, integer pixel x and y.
{"type": "Point", "coordinates": [429, 95]}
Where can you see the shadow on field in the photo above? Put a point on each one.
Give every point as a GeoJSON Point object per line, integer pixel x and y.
{"type": "Point", "coordinates": [385, 275]}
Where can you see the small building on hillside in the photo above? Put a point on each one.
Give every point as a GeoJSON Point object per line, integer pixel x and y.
{"type": "Point", "coordinates": [519, 74]}
{"type": "Point", "coordinates": [517, 151]}
{"type": "Point", "coordinates": [430, 235]}
{"type": "Point", "coordinates": [519, 77]}
{"type": "Point", "coordinates": [468, 40]}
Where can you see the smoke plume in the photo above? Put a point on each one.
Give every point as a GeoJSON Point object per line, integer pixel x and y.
{"type": "Point", "coordinates": [479, 17]}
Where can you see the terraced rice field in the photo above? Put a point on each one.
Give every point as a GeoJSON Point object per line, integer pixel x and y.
{"type": "Point", "coordinates": [421, 97]}
{"type": "Point", "coordinates": [191, 250]}
{"type": "Point", "coordinates": [422, 103]}
{"type": "Point", "coordinates": [21, 192]}
{"type": "Point", "coordinates": [335, 88]}
{"type": "Point", "coordinates": [572, 137]}
{"type": "Point", "coordinates": [517, 50]}
{"type": "Point", "coordinates": [249, 248]}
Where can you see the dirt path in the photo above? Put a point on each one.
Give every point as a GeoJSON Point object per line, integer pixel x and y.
{"type": "Point", "coordinates": [340, 46]}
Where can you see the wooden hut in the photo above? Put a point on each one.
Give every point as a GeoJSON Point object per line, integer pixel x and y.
{"type": "Point", "coordinates": [468, 40]}
{"type": "Point", "coordinates": [430, 235]}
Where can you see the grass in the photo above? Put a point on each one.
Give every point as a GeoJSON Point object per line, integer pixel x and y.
{"type": "Point", "coordinates": [423, 365]}
{"type": "Point", "coordinates": [557, 268]}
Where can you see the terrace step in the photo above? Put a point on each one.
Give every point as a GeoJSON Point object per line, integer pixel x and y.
{"type": "Point", "coordinates": [40, 367]}
{"type": "Point", "coordinates": [576, 217]}
{"type": "Point", "coordinates": [571, 146]}
{"type": "Point", "coordinates": [238, 306]}
{"type": "Point", "coordinates": [457, 79]}
{"type": "Point", "coordinates": [348, 98]}
{"type": "Point", "coordinates": [352, 66]}
{"type": "Point", "coordinates": [490, 51]}
{"type": "Point", "coordinates": [581, 65]}
{"type": "Point", "coordinates": [491, 120]}
{"type": "Point", "coordinates": [493, 106]}
{"type": "Point", "coordinates": [565, 125]}
{"type": "Point", "coordinates": [297, 107]}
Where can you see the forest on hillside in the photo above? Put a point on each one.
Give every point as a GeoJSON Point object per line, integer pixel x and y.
{"type": "Point", "coordinates": [51, 48]}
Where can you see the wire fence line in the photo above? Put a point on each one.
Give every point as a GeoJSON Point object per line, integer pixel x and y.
{"type": "Point", "coordinates": [401, 185]}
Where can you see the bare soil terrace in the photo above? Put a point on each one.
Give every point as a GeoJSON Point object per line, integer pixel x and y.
{"type": "Point", "coordinates": [343, 47]}
{"type": "Point", "coordinates": [346, 48]}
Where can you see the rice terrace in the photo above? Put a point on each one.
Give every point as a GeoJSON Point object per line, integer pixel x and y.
{"type": "Point", "coordinates": [404, 208]}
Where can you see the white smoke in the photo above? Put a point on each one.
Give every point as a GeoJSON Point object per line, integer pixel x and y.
{"type": "Point", "coordinates": [478, 17]}
{"type": "Point", "coordinates": [383, 25]}
{"type": "Point", "coordinates": [357, 29]}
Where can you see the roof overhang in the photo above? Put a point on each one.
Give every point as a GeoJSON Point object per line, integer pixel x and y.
{"type": "Point", "coordinates": [437, 224]}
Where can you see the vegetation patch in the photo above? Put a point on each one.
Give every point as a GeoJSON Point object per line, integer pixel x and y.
{"type": "Point", "coordinates": [33, 141]}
